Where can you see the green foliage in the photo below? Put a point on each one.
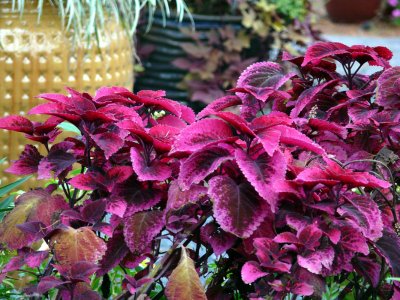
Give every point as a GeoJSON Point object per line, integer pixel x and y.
{"type": "Point", "coordinates": [7, 203]}
{"type": "Point", "coordinates": [291, 9]}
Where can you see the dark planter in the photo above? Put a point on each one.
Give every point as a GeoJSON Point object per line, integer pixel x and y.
{"type": "Point", "coordinates": [352, 11]}
{"type": "Point", "coordinates": [159, 72]}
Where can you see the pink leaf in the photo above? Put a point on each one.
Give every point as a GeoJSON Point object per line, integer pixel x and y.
{"type": "Point", "coordinates": [200, 134]}
{"type": "Point", "coordinates": [155, 170]}
{"type": "Point", "coordinates": [141, 228]}
{"type": "Point", "coordinates": [115, 253]}
{"type": "Point", "coordinates": [262, 79]}
{"type": "Point", "coordinates": [237, 207]}
{"type": "Point", "coordinates": [294, 137]}
{"type": "Point", "coordinates": [263, 172]}
{"type": "Point", "coordinates": [363, 213]}
{"type": "Point", "coordinates": [251, 271]}
{"type": "Point", "coordinates": [219, 105]}
{"type": "Point", "coordinates": [315, 261]}
{"type": "Point", "coordinates": [109, 142]}
{"type": "Point", "coordinates": [16, 123]}
{"type": "Point", "coordinates": [163, 137]}
{"type": "Point", "coordinates": [321, 50]}
{"type": "Point", "coordinates": [202, 163]}
{"type": "Point", "coordinates": [178, 198]}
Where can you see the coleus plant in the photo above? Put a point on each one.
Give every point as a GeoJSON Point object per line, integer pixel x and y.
{"type": "Point", "coordinates": [287, 183]}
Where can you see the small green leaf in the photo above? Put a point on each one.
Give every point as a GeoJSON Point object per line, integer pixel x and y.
{"type": "Point", "coordinates": [66, 126]}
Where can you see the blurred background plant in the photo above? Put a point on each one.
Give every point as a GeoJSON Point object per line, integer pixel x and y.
{"type": "Point", "coordinates": [204, 63]}
{"type": "Point", "coordinates": [394, 10]}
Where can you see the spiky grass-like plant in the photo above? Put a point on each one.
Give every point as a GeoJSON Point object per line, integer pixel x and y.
{"type": "Point", "coordinates": [88, 17]}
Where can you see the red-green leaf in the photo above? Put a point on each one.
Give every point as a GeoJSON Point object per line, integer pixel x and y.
{"type": "Point", "coordinates": [73, 245]}
{"type": "Point", "coordinates": [33, 206]}
{"type": "Point", "coordinates": [184, 282]}
{"type": "Point", "coordinates": [141, 228]}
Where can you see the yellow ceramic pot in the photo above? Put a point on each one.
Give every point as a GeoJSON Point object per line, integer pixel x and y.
{"type": "Point", "coordinates": [41, 57]}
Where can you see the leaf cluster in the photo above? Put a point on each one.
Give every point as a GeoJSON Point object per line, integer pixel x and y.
{"type": "Point", "coordinates": [286, 187]}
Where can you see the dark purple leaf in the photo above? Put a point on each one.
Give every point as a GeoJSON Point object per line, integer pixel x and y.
{"type": "Point", "coordinates": [27, 163]}
{"type": "Point", "coordinates": [388, 246]}
{"type": "Point", "coordinates": [219, 240]}
{"type": "Point", "coordinates": [115, 253]}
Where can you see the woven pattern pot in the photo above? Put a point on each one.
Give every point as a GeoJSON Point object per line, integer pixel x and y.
{"type": "Point", "coordinates": [37, 58]}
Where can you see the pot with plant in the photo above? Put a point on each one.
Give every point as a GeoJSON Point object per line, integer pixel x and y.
{"type": "Point", "coordinates": [352, 11]}
{"type": "Point", "coordinates": [46, 45]}
{"type": "Point", "coordinates": [197, 66]}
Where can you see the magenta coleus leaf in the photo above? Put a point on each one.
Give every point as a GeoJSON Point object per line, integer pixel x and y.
{"type": "Point", "coordinates": [115, 253]}
{"type": "Point", "coordinates": [178, 198]}
{"type": "Point", "coordinates": [353, 240]}
{"type": "Point", "coordinates": [309, 96]}
{"type": "Point", "coordinates": [323, 125]}
{"type": "Point", "coordinates": [237, 207]}
{"type": "Point", "coordinates": [322, 50]}
{"type": "Point", "coordinates": [27, 163]}
{"type": "Point", "coordinates": [219, 105]}
{"type": "Point", "coordinates": [262, 78]}
{"type": "Point", "coordinates": [145, 170]}
{"type": "Point", "coordinates": [163, 136]}
{"type": "Point", "coordinates": [388, 88]}
{"type": "Point", "coordinates": [270, 255]}
{"type": "Point", "coordinates": [236, 122]}
{"type": "Point", "coordinates": [141, 228]}
{"type": "Point", "coordinates": [119, 112]}
{"type": "Point", "coordinates": [315, 261]}
{"type": "Point", "coordinates": [219, 240]}
{"type": "Point", "coordinates": [291, 136]}
{"type": "Point", "coordinates": [369, 268]}
{"type": "Point", "coordinates": [202, 163]}
{"type": "Point", "coordinates": [56, 109]}
{"type": "Point", "coordinates": [16, 123]}
{"type": "Point", "coordinates": [251, 271]}
{"type": "Point", "coordinates": [109, 142]}
{"type": "Point", "coordinates": [49, 282]}
{"type": "Point", "coordinates": [270, 139]}
{"type": "Point", "coordinates": [363, 213]}
{"type": "Point", "coordinates": [59, 160]}
{"type": "Point", "coordinates": [332, 174]}
{"type": "Point", "coordinates": [142, 200]}
{"type": "Point", "coordinates": [388, 246]}
{"type": "Point", "coordinates": [263, 172]}
{"type": "Point", "coordinates": [200, 134]}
